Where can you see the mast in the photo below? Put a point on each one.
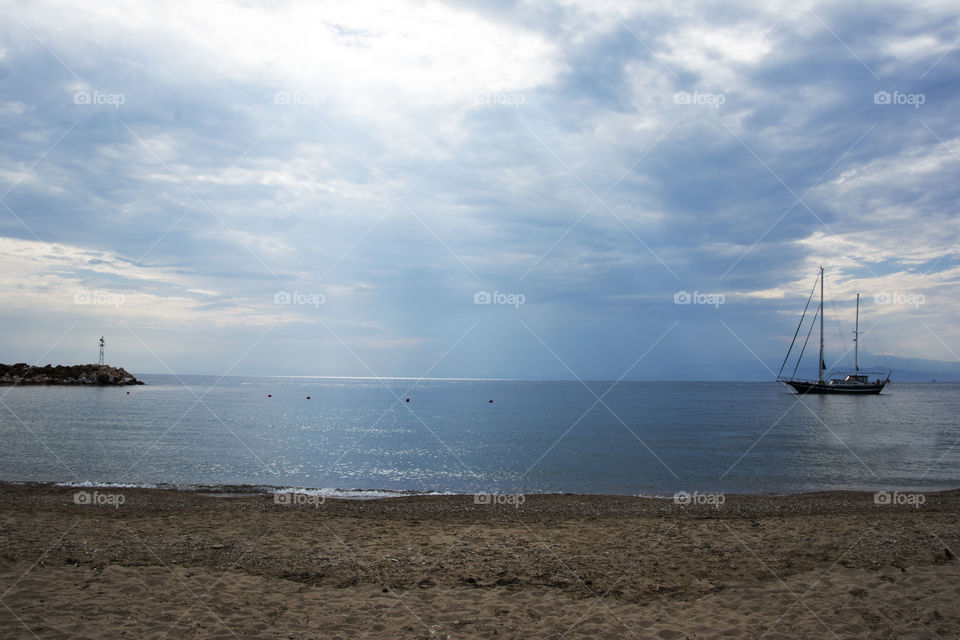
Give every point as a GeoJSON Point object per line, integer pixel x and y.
{"type": "Point", "coordinates": [856, 338]}
{"type": "Point", "coordinates": [820, 364]}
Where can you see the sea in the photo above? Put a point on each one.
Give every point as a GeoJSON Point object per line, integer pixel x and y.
{"type": "Point", "coordinates": [363, 437]}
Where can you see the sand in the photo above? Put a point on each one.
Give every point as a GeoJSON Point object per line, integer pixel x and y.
{"type": "Point", "coordinates": [168, 564]}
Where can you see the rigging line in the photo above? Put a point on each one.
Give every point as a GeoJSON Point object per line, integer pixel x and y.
{"type": "Point", "coordinates": [843, 343]}
{"type": "Point", "coordinates": [881, 352]}
{"type": "Point", "coordinates": [883, 357]}
{"type": "Point", "coordinates": [812, 324]}
{"type": "Point", "coordinates": [809, 298]}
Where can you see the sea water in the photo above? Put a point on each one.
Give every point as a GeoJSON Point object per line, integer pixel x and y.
{"type": "Point", "coordinates": [363, 437]}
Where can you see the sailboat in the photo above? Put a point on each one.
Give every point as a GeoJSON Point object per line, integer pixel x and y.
{"type": "Point", "coordinates": [855, 382]}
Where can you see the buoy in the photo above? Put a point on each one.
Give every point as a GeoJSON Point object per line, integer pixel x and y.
{"type": "Point", "coordinates": [269, 395]}
{"type": "Point", "coordinates": [308, 397]}
{"type": "Point", "coordinates": [128, 393]}
{"type": "Point", "coordinates": [408, 399]}
{"type": "Point", "coordinates": [491, 401]}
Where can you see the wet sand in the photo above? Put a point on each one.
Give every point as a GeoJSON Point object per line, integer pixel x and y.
{"type": "Point", "coordinates": [140, 563]}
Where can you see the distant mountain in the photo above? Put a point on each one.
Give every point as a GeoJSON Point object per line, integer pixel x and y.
{"type": "Point", "coordinates": [920, 370]}
{"type": "Point", "coordinates": [904, 370]}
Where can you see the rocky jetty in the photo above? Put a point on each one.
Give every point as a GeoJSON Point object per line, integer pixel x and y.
{"type": "Point", "coordinates": [93, 374]}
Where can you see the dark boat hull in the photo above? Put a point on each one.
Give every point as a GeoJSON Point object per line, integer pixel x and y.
{"type": "Point", "coordinates": [857, 388]}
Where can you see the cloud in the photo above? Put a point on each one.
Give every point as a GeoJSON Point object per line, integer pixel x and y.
{"type": "Point", "coordinates": [70, 280]}
{"type": "Point", "coordinates": [398, 157]}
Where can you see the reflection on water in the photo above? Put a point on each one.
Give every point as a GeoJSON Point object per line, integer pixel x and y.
{"type": "Point", "coordinates": [651, 438]}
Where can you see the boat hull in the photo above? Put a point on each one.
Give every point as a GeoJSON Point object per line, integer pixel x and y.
{"type": "Point", "coordinates": [859, 388]}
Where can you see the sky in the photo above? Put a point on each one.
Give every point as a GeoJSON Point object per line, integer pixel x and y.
{"type": "Point", "coordinates": [593, 190]}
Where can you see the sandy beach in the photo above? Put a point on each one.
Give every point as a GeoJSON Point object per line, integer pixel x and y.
{"type": "Point", "coordinates": [140, 563]}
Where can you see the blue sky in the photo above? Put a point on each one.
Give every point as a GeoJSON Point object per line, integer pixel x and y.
{"type": "Point", "coordinates": [328, 188]}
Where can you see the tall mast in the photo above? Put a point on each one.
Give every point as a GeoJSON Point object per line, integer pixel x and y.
{"type": "Point", "coordinates": [856, 338]}
{"type": "Point", "coordinates": [820, 364]}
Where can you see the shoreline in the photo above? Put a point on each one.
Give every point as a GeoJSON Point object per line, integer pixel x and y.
{"type": "Point", "coordinates": [366, 494]}
{"type": "Point", "coordinates": [165, 563]}
{"type": "Point", "coordinates": [731, 505]}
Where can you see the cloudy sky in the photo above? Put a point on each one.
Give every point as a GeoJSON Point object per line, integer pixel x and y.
{"type": "Point", "coordinates": [475, 189]}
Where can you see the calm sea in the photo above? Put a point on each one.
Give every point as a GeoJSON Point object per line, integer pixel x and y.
{"type": "Point", "coordinates": [361, 434]}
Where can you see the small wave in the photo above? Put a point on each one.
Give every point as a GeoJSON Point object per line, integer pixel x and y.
{"type": "Point", "coordinates": [359, 494]}
{"type": "Point", "coordinates": [251, 489]}
{"type": "Point", "coordinates": [90, 484]}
